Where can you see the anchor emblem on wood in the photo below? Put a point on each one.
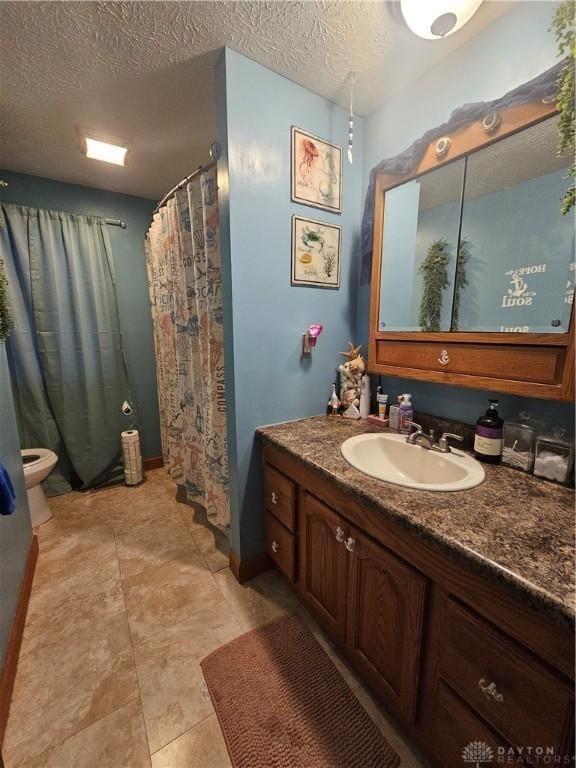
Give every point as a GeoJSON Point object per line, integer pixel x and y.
{"type": "Point", "coordinates": [444, 359]}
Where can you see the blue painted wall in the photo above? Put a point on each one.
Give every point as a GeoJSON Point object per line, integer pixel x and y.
{"type": "Point", "coordinates": [512, 50]}
{"type": "Point", "coordinates": [267, 381]}
{"type": "Point", "coordinates": [15, 529]}
{"type": "Point", "coordinates": [131, 279]}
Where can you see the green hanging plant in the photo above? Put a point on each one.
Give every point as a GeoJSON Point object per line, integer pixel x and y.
{"type": "Point", "coordinates": [435, 278]}
{"type": "Point", "coordinates": [460, 280]}
{"type": "Point", "coordinates": [5, 316]}
{"type": "Point", "coordinates": [564, 26]}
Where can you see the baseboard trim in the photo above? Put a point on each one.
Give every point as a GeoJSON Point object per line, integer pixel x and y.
{"type": "Point", "coordinates": [246, 569]}
{"type": "Point", "coordinates": [155, 462]}
{"type": "Point", "coordinates": [14, 643]}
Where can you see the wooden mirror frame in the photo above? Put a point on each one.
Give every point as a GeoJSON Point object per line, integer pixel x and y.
{"type": "Point", "coordinates": [529, 364]}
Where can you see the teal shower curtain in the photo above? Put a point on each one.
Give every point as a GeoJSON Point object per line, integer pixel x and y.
{"type": "Point", "coordinates": [65, 351]}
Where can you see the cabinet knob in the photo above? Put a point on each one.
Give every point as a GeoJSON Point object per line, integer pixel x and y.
{"type": "Point", "coordinates": [490, 691]}
{"type": "Point", "coordinates": [339, 534]}
{"type": "Point", "coordinates": [275, 546]}
{"type": "Point", "coordinates": [349, 544]}
{"type": "Point", "coordinates": [274, 497]}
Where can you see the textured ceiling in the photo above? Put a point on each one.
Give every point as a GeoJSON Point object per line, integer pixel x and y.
{"type": "Point", "coordinates": [143, 72]}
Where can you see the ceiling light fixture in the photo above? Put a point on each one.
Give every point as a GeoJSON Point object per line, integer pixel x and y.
{"type": "Point", "coordinates": [107, 153]}
{"type": "Point", "coordinates": [434, 19]}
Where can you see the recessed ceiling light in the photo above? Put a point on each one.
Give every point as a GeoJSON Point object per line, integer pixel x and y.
{"type": "Point", "coordinates": [108, 153]}
{"type": "Point", "coordinates": [435, 19]}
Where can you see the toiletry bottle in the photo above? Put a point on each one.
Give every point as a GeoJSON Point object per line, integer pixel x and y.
{"type": "Point", "coordinates": [405, 415]}
{"type": "Point", "coordinates": [488, 437]}
{"type": "Point", "coordinates": [394, 415]}
{"type": "Point", "coordinates": [381, 400]}
{"type": "Point", "coordinates": [365, 397]}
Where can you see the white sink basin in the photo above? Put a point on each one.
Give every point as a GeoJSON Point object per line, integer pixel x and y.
{"type": "Point", "coordinates": [389, 457]}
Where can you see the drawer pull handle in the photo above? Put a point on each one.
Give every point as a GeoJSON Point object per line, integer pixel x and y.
{"type": "Point", "coordinates": [349, 544]}
{"type": "Point", "coordinates": [444, 358]}
{"type": "Point", "coordinates": [275, 546]}
{"type": "Point", "coordinates": [274, 497]}
{"type": "Point", "coordinates": [490, 691]}
{"type": "Point", "coordinates": [339, 535]}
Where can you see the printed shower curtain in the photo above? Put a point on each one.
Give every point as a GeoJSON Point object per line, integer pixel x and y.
{"type": "Point", "coordinates": [184, 277]}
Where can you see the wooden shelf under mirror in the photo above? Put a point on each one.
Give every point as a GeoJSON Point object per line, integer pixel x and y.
{"type": "Point", "coordinates": [502, 317]}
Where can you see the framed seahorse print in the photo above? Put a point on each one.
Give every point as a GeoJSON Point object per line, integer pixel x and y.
{"type": "Point", "coordinates": [316, 172]}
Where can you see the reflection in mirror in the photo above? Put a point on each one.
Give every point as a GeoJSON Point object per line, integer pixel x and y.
{"type": "Point", "coordinates": [420, 239]}
{"type": "Point", "coordinates": [519, 274]}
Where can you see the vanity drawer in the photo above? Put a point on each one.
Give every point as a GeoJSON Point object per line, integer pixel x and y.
{"type": "Point", "coordinates": [537, 364]}
{"type": "Point", "coordinates": [280, 497]}
{"type": "Point", "coordinates": [506, 685]}
{"type": "Point", "coordinates": [281, 546]}
{"type": "Point", "coordinates": [456, 728]}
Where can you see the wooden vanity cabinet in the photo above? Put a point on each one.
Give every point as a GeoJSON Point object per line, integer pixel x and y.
{"type": "Point", "coordinates": [451, 655]}
{"type": "Point", "coordinates": [385, 601]}
{"type": "Point", "coordinates": [281, 546]}
{"type": "Point", "coordinates": [365, 596]}
{"type": "Point", "coordinates": [457, 726]}
{"type": "Point", "coordinates": [323, 562]}
{"type": "Point", "coordinates": [508, 687]}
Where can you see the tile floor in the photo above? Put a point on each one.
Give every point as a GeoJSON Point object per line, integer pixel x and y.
{"type": "Point", "coordinates": [130, 594]}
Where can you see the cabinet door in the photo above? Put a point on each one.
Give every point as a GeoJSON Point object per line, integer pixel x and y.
{"type": "Point", "coordinates": [385, 612]}
{"type": "Point", "coordinates": [323, 562]}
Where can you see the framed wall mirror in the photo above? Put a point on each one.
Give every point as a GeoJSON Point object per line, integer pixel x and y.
{"type": "Point", "coordinates": [473, 262]}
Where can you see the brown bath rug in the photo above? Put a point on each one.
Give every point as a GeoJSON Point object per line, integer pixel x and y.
{"type": "Point", "coordinates": [282, 703]}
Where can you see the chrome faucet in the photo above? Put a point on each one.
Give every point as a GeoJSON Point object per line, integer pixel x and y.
{"type": "Point", "coordinates": [419, 438]}
{"type": "Point", "coordinates": [443, 445]}
{"type": "Point", "coordinates": [427, 441]}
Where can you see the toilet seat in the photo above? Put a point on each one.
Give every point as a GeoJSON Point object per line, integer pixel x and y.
{"type": "Point", "coordinates": [33, 458]}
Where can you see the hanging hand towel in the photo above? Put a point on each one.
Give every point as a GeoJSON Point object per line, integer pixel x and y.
{"type": "Point", "coordinates": [7, 494]}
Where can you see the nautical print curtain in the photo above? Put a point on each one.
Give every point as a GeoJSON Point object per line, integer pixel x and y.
{"type": "Point", "coordinates": [184, 278]}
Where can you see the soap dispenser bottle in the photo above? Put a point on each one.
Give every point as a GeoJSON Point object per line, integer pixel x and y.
{"type": "Point", "coordinates": [488, 437]}
{"type": "Point", "coordinates": [405, 415]}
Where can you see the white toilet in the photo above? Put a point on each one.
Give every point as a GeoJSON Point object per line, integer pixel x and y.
{"type": "Point", "coordinates": [38, 463]}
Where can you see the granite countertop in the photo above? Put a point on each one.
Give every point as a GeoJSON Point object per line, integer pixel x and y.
{"type": "Point", "coordinates": [514, 528]}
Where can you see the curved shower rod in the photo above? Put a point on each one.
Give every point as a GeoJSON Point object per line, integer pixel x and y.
{"type": "Point", "coordinates": [185, 180]}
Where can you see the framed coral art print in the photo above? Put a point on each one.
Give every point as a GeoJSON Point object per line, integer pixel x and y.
{"type": "Point", "coordinates": [316, 172]}
{"type": "Point", "coordinates": [315, 253]}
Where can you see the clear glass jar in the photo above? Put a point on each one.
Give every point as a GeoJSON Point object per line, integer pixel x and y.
{"type": "Point", "coordinates": [554, 457]}
{"type": "Point", "coordinates": [519, 441]}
